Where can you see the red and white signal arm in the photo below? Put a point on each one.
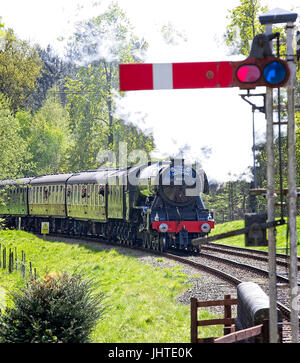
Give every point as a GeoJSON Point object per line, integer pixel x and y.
{"type": "Point", "coordinates": [134, 77]}
{"type": "Point", "coordinates": [250, 73]}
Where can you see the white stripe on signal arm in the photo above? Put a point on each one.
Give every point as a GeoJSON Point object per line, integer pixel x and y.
{"type": "Point", "coordinates": [162, 76]}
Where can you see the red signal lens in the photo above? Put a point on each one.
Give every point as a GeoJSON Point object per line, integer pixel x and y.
{"type": "Point", "coordinates": [248, 73]}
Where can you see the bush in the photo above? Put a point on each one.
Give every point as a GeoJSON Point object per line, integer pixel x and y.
{"type": "Point", "coordinates": [61, 308]}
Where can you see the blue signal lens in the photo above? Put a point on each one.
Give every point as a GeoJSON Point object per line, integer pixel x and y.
{"type": "Point", "coordinates": [275, 73]}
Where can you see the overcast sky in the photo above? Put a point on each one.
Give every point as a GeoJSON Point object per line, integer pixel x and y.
{"type": "Point", "coordinates": [216, 119]}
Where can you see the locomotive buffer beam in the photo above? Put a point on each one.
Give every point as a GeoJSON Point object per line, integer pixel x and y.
{"type": "Point", "coordinates": [237, 232]}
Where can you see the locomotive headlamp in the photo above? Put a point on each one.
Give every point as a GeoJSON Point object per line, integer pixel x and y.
{"type": "Point", "coordinates": [163, 228]}
{"type": "Point", "coordinates": [205, 228]}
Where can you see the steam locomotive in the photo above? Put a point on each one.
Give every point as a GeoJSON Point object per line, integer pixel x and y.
{"type": "Point", "coordinates": [157, 206]}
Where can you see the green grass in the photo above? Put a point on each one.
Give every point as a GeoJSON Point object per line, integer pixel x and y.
{"type": "Point", "coordinates": [240, 240]}
{"type": "Point", "coordinates": [142, 300]}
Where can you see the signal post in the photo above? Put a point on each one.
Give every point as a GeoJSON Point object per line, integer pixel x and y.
{"type": "Point", "coordinates": [260, 69]}
{"type": "Point", "coordinates": [268, 19]}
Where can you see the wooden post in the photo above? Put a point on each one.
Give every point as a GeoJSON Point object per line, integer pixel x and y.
{"type": "Point", "coordinates": [194, 320]}
{"type": "Point", "coordinates": [227, 315]}
{"type": "Point", "coordinates": [266, 331]}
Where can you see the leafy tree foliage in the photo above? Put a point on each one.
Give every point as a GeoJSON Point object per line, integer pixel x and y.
{"type": "Point", "coordinates": [99, 45]}
{"type": "Point", "coordinates": [229, 201]}
{"type": "Point", "coordinates": [12, 146]}
{"type": "Point", "coordinates": [58, 115]}
{"type": "Point", "coordinates": [48, 136]}
{"type": "Point", "coordinates": [53, 73]}
{"type": "Point", "coordinates": [244, 25]}
{"type": "Point", "coordinates": [19, 67]}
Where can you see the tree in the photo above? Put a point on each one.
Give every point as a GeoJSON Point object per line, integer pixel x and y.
{"type": "Point", "coordinates": [99, 45]}
{"type": "Point", "coordinates": [13, 149]}
{"type": "Point", "coordinates": [244, 25]}
{"type": "Point", "coordinates": [54, 72]}
{"type": "Point", "coordinates": [19, 67]}
{"type": "Point", "coordinates": [48, 136]}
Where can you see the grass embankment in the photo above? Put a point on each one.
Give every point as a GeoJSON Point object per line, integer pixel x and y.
{"type": "Point", "coordinates": [240, 240]}
{"type": "Point", "coordinates": [142, 300]}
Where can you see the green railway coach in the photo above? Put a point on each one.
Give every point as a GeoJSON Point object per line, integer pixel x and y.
{"type": "Point", "coordinates": [14, 197]}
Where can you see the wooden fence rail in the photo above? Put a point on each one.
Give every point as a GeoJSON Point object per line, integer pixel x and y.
{"type": "Point", "coordinates": [11, 256]}
{"type": "Point", "coordinates": [230, 336]}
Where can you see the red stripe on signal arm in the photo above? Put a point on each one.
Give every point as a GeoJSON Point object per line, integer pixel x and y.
{"type": "Point", "coordinates": [176, 227]}
{"type": "Point", "coordinates": [202, 75]}
{"type": "Point", "coordinates": [136, 77]}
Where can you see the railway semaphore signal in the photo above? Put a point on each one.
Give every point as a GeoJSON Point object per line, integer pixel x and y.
{"type": "Point", "coordinates": [260, 69]}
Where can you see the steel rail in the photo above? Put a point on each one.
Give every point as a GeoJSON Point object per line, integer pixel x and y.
{"type": "Point", "coordinates": [245, 254]}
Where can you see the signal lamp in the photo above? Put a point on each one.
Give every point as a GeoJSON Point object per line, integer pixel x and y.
{"type": "Point", "coordinates": [275, 72]}
{"type": "Point", "coordinates": [248, 73]}
{"type": "Point", "coordinates": [254, 72]}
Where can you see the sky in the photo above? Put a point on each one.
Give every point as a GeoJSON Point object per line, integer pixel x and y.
{"type": "Point", "coordinates": [216, 120]}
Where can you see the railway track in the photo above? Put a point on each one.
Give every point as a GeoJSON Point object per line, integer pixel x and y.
{"type": "Point", "coordinates": [249, 273]}
{"type": "Point", "coordinates": [230, 270]}
{"type": "Point", "coordinates": [252, 257]}
{"type": "Point", "coordinates": [281, 259]}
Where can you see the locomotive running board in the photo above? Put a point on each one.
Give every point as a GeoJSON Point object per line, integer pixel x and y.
{"type": "Point", "coordinates": [237, 232]}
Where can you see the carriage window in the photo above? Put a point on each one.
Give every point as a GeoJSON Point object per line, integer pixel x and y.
{"type": "Point", "coordinates": [88, 195]}
{"type": "Point", "coordinates": [50, 194]}
{"type": "Point", "coordinates": [83, 192]}
{"type": "Point", "coordinates": [61, 195]}
{"type": "Point", "coordinates": [92, 195]}
{"type": "Point", "coordinates": [74, 193]}
{"type": "Point", "coordinates": [69, 194]}
{"type": "Point", "coordinates": [101, 190]}
{"type": "Point", "coordinates": [79, 195]}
